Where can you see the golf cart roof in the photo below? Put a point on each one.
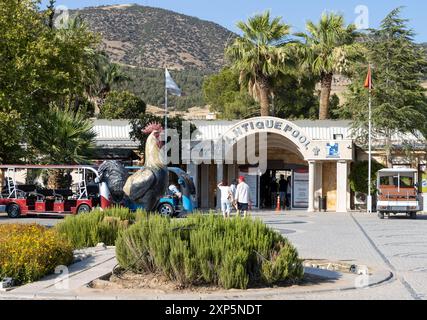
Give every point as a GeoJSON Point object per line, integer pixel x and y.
{"type": "Point", "coordinates": [398, 170]}
{"type": "Point", "coordinates": [405, 172]}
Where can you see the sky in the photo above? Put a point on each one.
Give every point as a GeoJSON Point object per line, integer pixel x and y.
{"type": "Point", "coordinates": [294, 12]}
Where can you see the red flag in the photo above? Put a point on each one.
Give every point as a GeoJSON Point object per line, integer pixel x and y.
{"type": "Point", "coordinates": [368, 81]}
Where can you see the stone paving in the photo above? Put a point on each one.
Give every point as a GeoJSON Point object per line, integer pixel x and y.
{"type": "Point", "coordinates": [398, 245]}
{"type": "Point", "coordinates": [403, 244]}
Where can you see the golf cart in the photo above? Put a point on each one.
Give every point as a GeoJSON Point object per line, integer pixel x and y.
{"type": "Point", "coordinates": [170, 205]}
{"type": "Point", "coordinates": [397, 192]}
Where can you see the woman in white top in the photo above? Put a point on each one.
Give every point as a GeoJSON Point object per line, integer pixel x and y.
{"type": "Point", "coordinates": [226, 195]}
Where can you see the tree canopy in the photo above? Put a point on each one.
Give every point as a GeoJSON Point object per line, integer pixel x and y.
{"type": "Point", "coordinates": [328, 48]}
{"type": "Point", "coordinates": [39, 65]}
{"type": "Point", "coordinates": [260, 55]}
{"type": "Point", "coordinates": [399, 104]}
{"type": "Point", "coordinates": [122, 105]}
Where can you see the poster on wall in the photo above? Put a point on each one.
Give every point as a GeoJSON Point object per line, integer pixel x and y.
{"type": "Point", "coordinates": [332, 150]}
{"type": "Point", "coordinates": [423, 178]}
{"type": "Point", "coordinates": [252, 181]}
{"type": "Point", "coordinates": [300, 189]}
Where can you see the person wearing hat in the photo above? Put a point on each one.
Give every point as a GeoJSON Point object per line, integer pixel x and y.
{"type": "Point", "coordinates": [242, 197]}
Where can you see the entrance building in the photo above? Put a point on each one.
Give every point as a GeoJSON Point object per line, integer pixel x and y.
{"type": "Point", "coordinates": [314, 155]}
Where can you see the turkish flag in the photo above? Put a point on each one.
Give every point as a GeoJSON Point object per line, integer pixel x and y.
{"type": "Point", "coordinates": [368, 81]}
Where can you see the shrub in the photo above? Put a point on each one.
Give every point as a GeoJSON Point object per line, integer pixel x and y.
{"type": "Point", "coordinates": [359, 176]}
{"type": "Point", "coordinates": [87, 230]}
{"type": "Point", "coordinates": [233, 253]}
{"type": "Point", "coordinates": [29, 252]}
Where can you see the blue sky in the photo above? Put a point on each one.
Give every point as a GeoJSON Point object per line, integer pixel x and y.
{"type": "Point", "coordinates": [294, 12]}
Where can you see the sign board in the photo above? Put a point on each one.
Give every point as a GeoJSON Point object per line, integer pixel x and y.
{"type": "Point", "coordinates": [300, 189]}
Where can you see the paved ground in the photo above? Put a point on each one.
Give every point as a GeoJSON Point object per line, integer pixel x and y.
{"type": "Point", "coordinates": [398, 245]}
{"type": "Point", "coordinates": [48, 221]}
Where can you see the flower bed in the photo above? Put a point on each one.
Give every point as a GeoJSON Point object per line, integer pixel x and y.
{"type": "Point", "coordinates": [208, 250]}
{"type": "Point", "coordinates": [29, 252]}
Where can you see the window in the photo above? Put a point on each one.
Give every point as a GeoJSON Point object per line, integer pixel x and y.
{"type": "Point", "coordinates": [338, 136]}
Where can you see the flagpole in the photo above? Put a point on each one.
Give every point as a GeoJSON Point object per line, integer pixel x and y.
{"type": "Point", "coordinates": [370, 144]}
{"type": "Point", "coordinates": [166, 123]}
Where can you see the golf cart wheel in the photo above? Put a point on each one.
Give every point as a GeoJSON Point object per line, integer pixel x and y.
{"type": "Point", "coordinates": [165, 209]}
{"type": "Point", "coordinates": [13, 211]}
{"type": "Point", "coordinates": [413, 215]}
{"type": "Point", "coordinates": [381, 215]}
{"type": "Point", "coordinates": [83, 209]}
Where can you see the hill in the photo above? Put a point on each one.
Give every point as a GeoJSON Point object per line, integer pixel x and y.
{"type": "Point", "coordinates": [149, 85]}
{"type": "Point", "coordinates": [142, 36]}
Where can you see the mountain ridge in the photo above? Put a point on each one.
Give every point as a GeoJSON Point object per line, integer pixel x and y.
{"type": "Point", "coordinates": [149, 37]}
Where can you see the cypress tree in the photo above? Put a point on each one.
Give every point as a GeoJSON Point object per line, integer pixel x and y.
{"type": "Point", "coordinates": [399, 104]}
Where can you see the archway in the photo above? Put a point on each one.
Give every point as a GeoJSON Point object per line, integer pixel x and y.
{"type": "Point", "coordinates": [283, 147]}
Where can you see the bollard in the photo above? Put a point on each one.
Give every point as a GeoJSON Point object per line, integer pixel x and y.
{"type": "Point", "coordinates": [278, 205]}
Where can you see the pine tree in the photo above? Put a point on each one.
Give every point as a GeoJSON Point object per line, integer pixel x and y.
{"type": "Point", "coordinates": [399, 104]}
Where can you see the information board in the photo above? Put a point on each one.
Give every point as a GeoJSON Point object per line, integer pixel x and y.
{"type": "Point", "coordinates": [300, 189]}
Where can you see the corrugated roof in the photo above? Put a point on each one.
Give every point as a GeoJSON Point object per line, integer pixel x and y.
{"type": "Point", "coordinates": [113, 134]}
{"type": "Point", "coordinates": [116, 133]}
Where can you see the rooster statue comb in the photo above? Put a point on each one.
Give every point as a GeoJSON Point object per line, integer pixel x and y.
{"type": "Point", "coordinates": [152, 127]}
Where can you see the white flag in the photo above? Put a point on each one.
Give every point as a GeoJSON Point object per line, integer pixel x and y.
{"type": "Point", "coordinates": [171, 85]}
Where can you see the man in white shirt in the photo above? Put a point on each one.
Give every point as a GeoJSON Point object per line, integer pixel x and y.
{"type": "Point", "coordinates": [174, 191]}
{"type": "Point", "coordinates": [243, 197]}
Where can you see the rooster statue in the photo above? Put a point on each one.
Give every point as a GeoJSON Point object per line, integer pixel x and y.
{"type": "Point", "coordinates": [147, 186]}
{"type": "Point", "coordinates": [114, 174]}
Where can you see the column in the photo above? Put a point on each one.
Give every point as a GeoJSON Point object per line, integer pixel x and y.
{"type": "Point", "coordinates": [204, 192]}
{"type": "Point", "coordinates": [311, 182]}
{"type": "Point", "coordinates": [231, 172]}
{"type": "Point", "coordinates": [318, 187]}
{"type": "Point", "coordinates": [219, 178]}
{"type": "Point", "coordinates": [348, 187]}
{"type": "Point", "coordinates": [342, 186]}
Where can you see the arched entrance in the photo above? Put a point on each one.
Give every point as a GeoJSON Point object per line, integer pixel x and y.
{"type": "Point", "coordinates": [255, 146]}
{"type": "Point", "coordinates": [281, 172]}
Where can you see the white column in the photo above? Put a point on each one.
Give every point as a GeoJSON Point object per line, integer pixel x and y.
{"type": "Point", "coordinates": [348, 188]}
{"type": "Point", "coordinates": [342, 186]}
{"type": "Point", "coordinates": [318, 187]}
{"type": "Point", "coordinates": [311, 182]}
{"type": "Point", "coordinates": [219, 178]}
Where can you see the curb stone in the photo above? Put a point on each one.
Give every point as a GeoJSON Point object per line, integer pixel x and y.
{"type": "Point", "coordinates": [377, 278]}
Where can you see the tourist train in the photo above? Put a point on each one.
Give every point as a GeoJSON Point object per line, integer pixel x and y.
{"type": "Point", "coordinates": [86, 192]}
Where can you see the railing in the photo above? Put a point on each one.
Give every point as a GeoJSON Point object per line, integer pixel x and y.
{"type": "Point", "coordinates": [394, 195]}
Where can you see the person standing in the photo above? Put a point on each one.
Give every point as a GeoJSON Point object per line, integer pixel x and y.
{"type": "Point", "coordinates": [233, 188]}
{"type": "Point", "coordinates": [288, 194]}
{"type": "Point", "coordinates": [242, 197]}
{"type": "Point", "coordinates": [273, 194]}
{"type": "Point", "coordinates": [226, 198]}
{"type": "Point", "coordinates": [283, 189]}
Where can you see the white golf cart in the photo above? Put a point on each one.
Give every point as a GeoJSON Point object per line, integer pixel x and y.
{"type": "Point", "coordinates": [397, 192]}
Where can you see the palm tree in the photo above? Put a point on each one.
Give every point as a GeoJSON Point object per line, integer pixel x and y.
{"type": "Point", "coordinates": [105, 75]}
{"type": "Point", "coordinates": [327, 50]}
{"type": "Point", "coordinates": [63, 137]}
{"type": "Point", "coordinates": [260, 55]}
